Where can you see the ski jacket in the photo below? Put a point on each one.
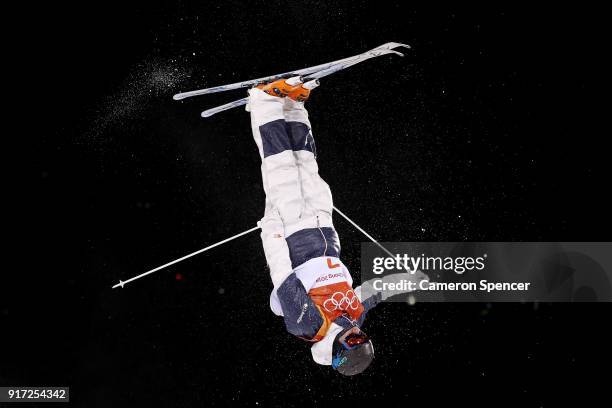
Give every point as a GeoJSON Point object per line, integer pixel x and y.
{"type": "Point", "coordinates": [317, 302]}
{"type": "Point", "coordinates": [316, 295]}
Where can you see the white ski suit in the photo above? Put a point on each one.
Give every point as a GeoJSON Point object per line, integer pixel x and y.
{"type": "Point", "coordinates": [312, 287]}
{"type": "Point", "coordinates": [296, 196]}
{"type": "Point", "coordinates": [297, 229]}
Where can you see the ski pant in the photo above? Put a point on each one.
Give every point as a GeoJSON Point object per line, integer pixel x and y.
{"type": "Point", "coordinates": [297, 198]}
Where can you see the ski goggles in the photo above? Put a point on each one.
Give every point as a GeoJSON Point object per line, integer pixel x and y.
{"type": "Point", "coordinates": [353, 340]}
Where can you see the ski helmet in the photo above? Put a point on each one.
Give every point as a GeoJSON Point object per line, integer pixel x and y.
{"type": "Point", "coordinates": [352, 353]}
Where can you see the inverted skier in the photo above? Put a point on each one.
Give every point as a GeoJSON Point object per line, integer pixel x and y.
{"type": "Point", "coordinates": [313, 289]}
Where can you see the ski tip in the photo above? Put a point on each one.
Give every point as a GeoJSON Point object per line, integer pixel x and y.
{"type": "Point", "coordinates": [178, 97]}
{"type": "Point", "coordinates": [391, 45]}
{"type": "Point", "coordinates": [206, 114]}
{"type": "Point", "coordinates": [401, 45]}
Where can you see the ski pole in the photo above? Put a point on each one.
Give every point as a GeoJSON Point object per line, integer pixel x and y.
{"type": "Point", "coordinates": [371, 238]}
{"type": "Point", "coordinates": [122, 283]}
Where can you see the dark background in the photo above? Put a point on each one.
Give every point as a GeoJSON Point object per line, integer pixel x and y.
{"type": "Point", "coordinates": [485, 131]}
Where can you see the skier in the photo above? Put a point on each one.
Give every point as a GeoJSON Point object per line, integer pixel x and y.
{"type": "Point", "coordinates": [312, 287]}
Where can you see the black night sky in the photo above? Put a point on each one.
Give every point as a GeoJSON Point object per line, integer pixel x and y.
{"type": "Point", "coordinates": [485, 131]}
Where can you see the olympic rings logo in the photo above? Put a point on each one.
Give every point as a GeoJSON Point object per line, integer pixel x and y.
{"type": "Point", "coordinates": [342, 301]}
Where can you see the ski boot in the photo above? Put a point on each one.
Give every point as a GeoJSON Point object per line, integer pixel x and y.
{"type": "Point", "coordinates": [292, 88]}
{"type": "Point", "coordinates": [302, 92]}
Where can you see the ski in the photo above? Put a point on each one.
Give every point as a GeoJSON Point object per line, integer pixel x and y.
{"type": "Point", "coordinates": [301, 72]}
{"type": "Point", "coordinates": [209, 112]}
{"type": "Point", "coordinates": [330, 69]}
